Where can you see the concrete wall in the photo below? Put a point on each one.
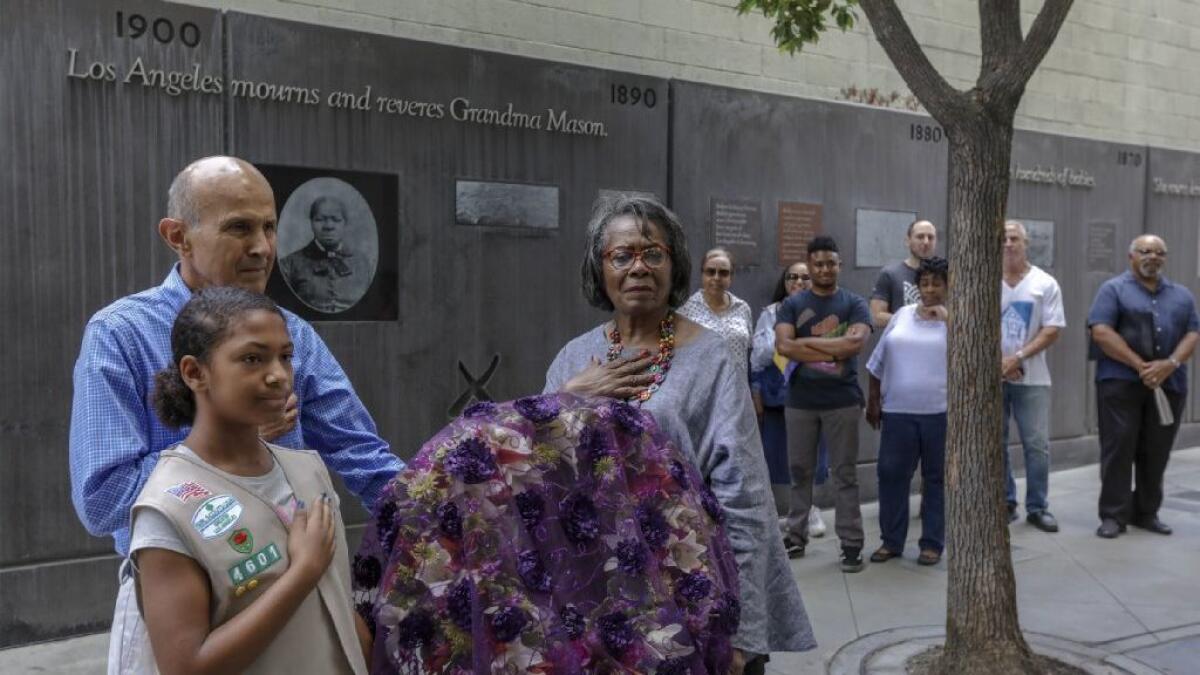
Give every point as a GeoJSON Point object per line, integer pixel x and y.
{"type": "Point", "coordinates": [1121, 71]}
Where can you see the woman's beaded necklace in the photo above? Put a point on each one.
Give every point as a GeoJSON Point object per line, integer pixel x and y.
{"type": "Point", "coordinates": [662, 361]}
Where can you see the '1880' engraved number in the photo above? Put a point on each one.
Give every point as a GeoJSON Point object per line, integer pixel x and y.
{"type": "Point", "coordinates": [162, 29]}
{"type": "Point", "coordinates": [929, 133]}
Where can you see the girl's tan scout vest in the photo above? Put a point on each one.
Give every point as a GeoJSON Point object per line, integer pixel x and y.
{"type": "Point", "coordinates": [242, 544]}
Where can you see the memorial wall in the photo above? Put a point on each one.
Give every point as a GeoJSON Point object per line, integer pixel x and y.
{"type": "Point", "coordinates": [461, 182]}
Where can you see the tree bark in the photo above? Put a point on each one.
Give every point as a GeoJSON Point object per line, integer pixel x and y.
{"type": "Point", "coordinates": [982, 631]}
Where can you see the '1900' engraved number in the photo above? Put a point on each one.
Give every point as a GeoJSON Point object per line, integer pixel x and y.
{"type": "Point", "coordinates": [162, 29]}
{"type": "Point", "coordinates": [623, 95]}
{"type": "Point", "coordinates": [928, 133]}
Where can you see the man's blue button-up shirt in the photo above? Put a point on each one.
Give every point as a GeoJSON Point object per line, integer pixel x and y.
{"type": "Point", "coordinates": [116, 436]}
{"type": "Point", "coordinates": [1170, 311]}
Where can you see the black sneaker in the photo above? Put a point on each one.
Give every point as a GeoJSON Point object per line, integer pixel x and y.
{"type": "Point", "coordinates": [1012, 513]}
{"type": "Point", "coordinates": [793, 546]}
{"type": "Point", "coordinates": [852, 559]}
{"type": "Point", "coordinates": [1043, 521]}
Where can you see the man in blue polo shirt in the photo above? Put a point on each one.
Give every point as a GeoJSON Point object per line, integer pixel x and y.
{"type": "Point", "coordinates": [221, 223]}
{"type": "Point", "coordinates": [1146, 329]}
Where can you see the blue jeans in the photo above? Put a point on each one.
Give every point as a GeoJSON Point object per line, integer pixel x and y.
{"type": "Point", "coordinates": [904, 441]}
{"type": "Point", "coordinates": [1029, 405]}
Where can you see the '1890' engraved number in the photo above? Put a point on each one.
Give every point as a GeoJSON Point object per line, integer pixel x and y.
{"type": "Point", "coordinates": [162, 29]}
{"type": "Point", "coordinates": [929, 133]}
{"type": "Point", "coordinates": [624, 95]}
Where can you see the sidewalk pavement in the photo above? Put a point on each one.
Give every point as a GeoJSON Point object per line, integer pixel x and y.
{"type": "Point", "coordinates": [1137, 596]}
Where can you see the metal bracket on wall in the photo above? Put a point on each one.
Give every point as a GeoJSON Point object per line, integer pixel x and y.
{"type": "Point", "coordinates": [475, 387]}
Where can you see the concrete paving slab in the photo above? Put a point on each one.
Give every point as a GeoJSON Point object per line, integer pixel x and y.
{"type": "Point", "coordinates": [86, 655]}
{"type": "Point", "coordinates": [1157, 618]}
{"type": "Point", "coordinates": [1180, 657]}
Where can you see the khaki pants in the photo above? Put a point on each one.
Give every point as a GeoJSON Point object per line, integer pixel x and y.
{"type": "Point", "coordinates": [129, 644]}
{"type": "Point", "coordinates": [840, 429]}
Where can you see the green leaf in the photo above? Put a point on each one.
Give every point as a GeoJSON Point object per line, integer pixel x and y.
{"type": "Point", "coordinates": [801, 22]}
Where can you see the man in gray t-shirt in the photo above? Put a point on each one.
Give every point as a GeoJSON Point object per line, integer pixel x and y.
{"type": "Point", "coordinates": [897, 283]}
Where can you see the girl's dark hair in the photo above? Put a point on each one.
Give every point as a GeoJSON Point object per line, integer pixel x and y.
{"type": "Point", "coordinates": [202, 324]}
{"type": "Point", "coordinates": [938, 267]}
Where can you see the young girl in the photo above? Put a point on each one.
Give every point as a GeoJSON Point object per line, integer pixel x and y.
{"type": "Point", "coordinates": [233, 538]}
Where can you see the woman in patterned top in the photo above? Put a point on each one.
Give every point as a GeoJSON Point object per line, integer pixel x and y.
{"type": "Point", "coordinates": [636, 266]}
{"type": "Point", "coordinates": [718, 310]}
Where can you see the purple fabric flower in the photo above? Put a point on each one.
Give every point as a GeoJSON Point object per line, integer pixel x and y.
{"type": "Point", "coordinates": [458, 603]}
{"type": "Point", "coordinates": [471, 461]}
{"type": "Point", "coordinates": [628, 417]}
{"type": "Point", "coordinates": [538, 409]}
{"type": "Point", "coordinates": [726, 614]}
{"type": "Point", "coordinates": [681, 665]}
{"type": "Point", "coordinates": [572, 621]}
{"type": "Point", "coordinates": [530, 505]}
{"type": "Point", "coordinates": [367, 571]}
{"type": "Point", "coordinates": [532, 572]}
{"type": "Point", "coordinates": [631, 556]}
{"type": "Point", "coordinates": [415, 629]}
{"type": "Point", "coordinates": [385, 524]}
{"type": "Point", "coordinates": [508, 623]}
{"type": "Point", "coordinates": [367, 611]}
{"type": "Point", "coordinates": [654, 526]}
{"type": "Point", "coordinates": [449, 520]}
{"type": "Point", "coordinates": [694, 586]}
{"type": "Point", "coordinates": [480, 409]}
{"type": "Point", "coordinates": [679, 473]}
{"type": "Point", "coordinates": [616, 633]}
{"type": "Point", "coordinates": [711, 505]}
{"type": "Point", "coordinates": [595, 444]}
{"type": "Point", "coordinates": [580, 521]}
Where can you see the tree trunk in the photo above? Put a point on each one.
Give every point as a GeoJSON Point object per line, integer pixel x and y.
{"type": "Point", "coordinates": [982, 632]}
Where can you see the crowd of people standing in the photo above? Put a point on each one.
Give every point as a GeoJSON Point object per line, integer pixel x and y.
{"type": "Point", "coordinates": [619, 520]}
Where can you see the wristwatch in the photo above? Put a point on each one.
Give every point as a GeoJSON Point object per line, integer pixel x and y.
{"type": "Point", "coordinates": [1173, 361]}
{"type": "Point", "coordinates": [1020, 355]}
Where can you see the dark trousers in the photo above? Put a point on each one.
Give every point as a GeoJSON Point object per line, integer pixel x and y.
{"type": "Point", "coordinates": [1134, 449]}
{"type": "Point", "coordinates": [903, 441]}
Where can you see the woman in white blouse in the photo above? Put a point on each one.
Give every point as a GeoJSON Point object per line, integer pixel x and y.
{"type": "Point", "coordinates": [908, 400]}
{"type": "Point", "coordinates": [718, 310]}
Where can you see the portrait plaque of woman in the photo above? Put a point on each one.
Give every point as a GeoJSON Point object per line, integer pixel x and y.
{"type": "Point", "coordinates": [333, 244]}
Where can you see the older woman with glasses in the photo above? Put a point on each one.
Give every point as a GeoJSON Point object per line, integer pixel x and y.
{"type": "Point", "coordinates": [636, 266]}
{"type": "Point", "coordinates": [718, 310]}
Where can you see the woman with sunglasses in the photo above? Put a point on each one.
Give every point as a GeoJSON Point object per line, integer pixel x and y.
{"type": "Point", "coordinates": [718, 310]}
{"type": "Point", "coordinates": [636, 266]}
{"type": "Point", "coordinates": [769, 373]}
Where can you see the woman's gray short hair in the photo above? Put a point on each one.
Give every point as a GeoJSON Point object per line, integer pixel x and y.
{"type": "Point", "coordinates": [646, 211]}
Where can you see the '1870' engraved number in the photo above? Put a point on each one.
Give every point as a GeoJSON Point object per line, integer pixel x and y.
{"type": "Point", "coordinates": [625, 95]}
{"type": "Point", "coordinates": [161, 29]}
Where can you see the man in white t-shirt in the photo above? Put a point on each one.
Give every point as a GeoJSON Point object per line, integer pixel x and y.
{"type": "Point", "coordinates": [1031, 316]}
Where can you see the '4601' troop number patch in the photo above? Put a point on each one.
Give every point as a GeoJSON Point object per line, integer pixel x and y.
{"type": "Point", "coordinates": [251, 567]}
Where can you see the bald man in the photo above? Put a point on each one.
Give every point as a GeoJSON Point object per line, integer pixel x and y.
{"type": "Point", "coordinates": [897, 283]}
{"type": "Point", "coordinates": [1146, 328]}
{"type": "Point", "coordinates": [221, 224]}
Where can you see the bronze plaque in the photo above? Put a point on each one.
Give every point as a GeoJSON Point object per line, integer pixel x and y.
{"type": "Point", "coordinates": [799, 222]}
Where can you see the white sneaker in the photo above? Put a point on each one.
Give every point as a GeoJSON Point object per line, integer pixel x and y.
{"type": "Point", "coordinates": [816, 526]}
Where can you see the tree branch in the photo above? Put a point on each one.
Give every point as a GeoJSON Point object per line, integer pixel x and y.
{"type": "Point", "coordinates": [999, 32]}
{"type": "Point", "coordinates": [1007, 83]}
{"type": "Point", "coordinates": [931, 89]}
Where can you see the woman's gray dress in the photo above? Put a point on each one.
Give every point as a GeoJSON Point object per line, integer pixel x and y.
{"type": "Point", "coordinates": [704, 406]}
